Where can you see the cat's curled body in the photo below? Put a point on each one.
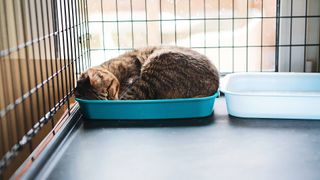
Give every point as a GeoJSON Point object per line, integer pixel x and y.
{"type": "Point", "coordinates": [161, 72]}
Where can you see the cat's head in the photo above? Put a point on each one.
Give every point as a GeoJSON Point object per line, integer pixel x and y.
{"type": "Point", "coordinates": [97, 84]}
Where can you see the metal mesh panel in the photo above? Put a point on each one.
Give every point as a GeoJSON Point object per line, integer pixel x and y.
{"type": "Point", "coordinates": [237, 35]}
{"type": "Point", "coordinates": [43, 47]}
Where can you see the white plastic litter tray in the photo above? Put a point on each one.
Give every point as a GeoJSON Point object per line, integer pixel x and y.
{"type": "Point", "coordinates": [273, 95]}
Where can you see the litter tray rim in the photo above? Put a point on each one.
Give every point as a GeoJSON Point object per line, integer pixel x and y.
{"type": "Point", "coordinates": [215, 95]}
{"type": "Point", "coordinates": [226, 79]}
{"type": "Point", "coordinates": [269, 94]}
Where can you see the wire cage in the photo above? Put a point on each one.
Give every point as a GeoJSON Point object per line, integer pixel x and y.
{"type": "Point", "coordinates": [45, 45]}
{"type": "Point", "coordinates": [236, 35]}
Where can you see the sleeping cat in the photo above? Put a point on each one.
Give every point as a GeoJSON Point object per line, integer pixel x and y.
{"type": "Point", "coordinates": [161, 72]}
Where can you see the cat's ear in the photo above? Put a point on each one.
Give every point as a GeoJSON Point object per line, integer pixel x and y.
{"type": "Point", "coordinates": [94, 77]}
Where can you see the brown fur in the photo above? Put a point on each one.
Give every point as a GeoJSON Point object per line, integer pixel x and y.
{"type": "Point", "coordinates": [162, 72]}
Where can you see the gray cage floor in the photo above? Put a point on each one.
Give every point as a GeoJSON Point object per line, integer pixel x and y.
{"type": "Point", "coordinates": [218, 147]}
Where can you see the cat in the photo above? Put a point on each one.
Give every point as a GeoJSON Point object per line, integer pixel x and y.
{"type": "Point", "coordinates": [159, 72]}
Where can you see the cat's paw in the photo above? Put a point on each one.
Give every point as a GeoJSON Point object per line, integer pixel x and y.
{"type": "Point", "coordinates": [99, 84]}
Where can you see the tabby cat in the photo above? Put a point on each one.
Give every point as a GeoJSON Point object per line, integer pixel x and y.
{"type": "Point", "coordinates": [161, 72]}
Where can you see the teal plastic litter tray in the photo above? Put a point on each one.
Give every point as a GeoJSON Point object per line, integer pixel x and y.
{"type": "Point", "coordinates": [147, 109]}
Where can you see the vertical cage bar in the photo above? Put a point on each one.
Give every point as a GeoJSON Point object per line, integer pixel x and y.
{"type": "Point", "coordinates": [160, 5]}
{"type": "Point", "coordinates": [5, 141]}
{"type": "Point", "coordinates": [305, 37]}
{"type": "Point", "coordinates": [2, 137]}
{"type": "Point", "coordinates": [50, 27]}
{"type": "Point", "coordinates": [2, 133]}
{"type": "Point", "coordinates": [79, 39]}
{"type": "Point", "coordinates": [76, 46]}
{"type": "Point", "coordinates": [190, 35]}
{"type": "Point", "coordinates": [278, 7]}
{"type": "Point", "coordinates": [117, 17]}
{"type": "Point", "coordinates": [46, 63]}
{"type": "Point", "coordinates": [219, 19]}
{"type": "Point", "coordinates": [87, 33]}
{"type": "Point", "coordinates": [57, 46]}
{"type": "Point", "coordinates": [147, 30]}
{"type": "Point", "coordinates": [261, 36]}
{"type": "Point", "coordinates": [51, 61]}
{"type": "Point", "coordinates": [66, 58]}
{"type": "Point", "coordinates": [61, 49]}
{"type": "Point", "coordinates": [290, 46]}
{"type": "Point", "coordinates": [82, 32]}
{"type": "Point", "coordinates": [204, 27]}
{"type": "Point", "coordinates": [72, 47]}
{"type": "Point", "coordinates": [40, 59]}
{"type": "Point", "coordinates": [103, 38]}
{"type": "Point", "coordinates": [25, 34]}
{"type": "Point", "coordinates": [318, 68]}
{"type": "Point", "coordinates": [80, 36]}
{"type": "Point", "coordinates": [20, 72]}
{"type": "Point", "coordinates": [175, 21]}
{"type": "Point", "coordinates": [33, 59]}
{"type": "Point", "coordinates": [6, 99]}
{"type": "Point", "coordinates": [2, 149]}
{"type": "Point", "coordinates": [131, 18]}
{"type": "Point", "coordinates": [11, 119]}
{"type": "Point", "coordinates": [247, 37]}
{"type": "Point", "coordinates": [233, 36]}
